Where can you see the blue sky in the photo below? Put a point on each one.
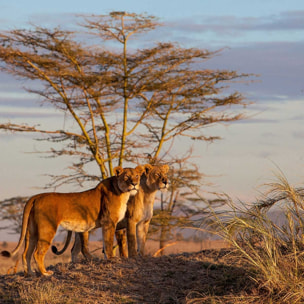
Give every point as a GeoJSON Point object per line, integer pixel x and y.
{"type": "Point", "coordinates": [265, 37]}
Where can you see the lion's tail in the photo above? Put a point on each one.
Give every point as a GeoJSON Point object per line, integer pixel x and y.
{"type": "Point", "coordinates": [67, 242]}
{"type": "Point", "coordinates": [26, 213]}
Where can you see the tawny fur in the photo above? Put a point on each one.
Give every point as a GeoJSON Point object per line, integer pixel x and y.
{"type": "Point", "coordinates": [80, 212]}
{"type": "Point", "coordinates": [138, 216]}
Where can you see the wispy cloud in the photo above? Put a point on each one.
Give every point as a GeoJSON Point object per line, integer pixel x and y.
{"type": "Point", "coordinates": [8, 112]}
{"type": "Point", "coordinates": [297, 117]}
{"type": "Point", "coordinates": [265, 154]}
{"type": "Point", "coordinates": [298, 134]}
{"type": "Point", "coordinates": [228, 25]}
{"type": "Point", "coordinates": [279, 64]}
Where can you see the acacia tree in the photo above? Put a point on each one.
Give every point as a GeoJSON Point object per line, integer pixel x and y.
{"type": "Point", "coordinates": [129, 104]}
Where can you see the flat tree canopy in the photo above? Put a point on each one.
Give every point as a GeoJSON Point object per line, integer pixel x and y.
{"type": "Point", "coordinates": [129, 104]}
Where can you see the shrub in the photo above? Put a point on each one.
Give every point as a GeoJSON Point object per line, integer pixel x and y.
{"type": "Point", "coordinates": [273, 250]}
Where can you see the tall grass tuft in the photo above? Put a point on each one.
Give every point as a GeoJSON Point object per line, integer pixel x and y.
{"type": "Point", "coordinates": [272, 248]}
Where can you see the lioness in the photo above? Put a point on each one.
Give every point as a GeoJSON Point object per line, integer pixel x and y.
{"type": "Point", "coordinates": [104, 206]}
{"type": "Point", "coordinates": [140, 208]}
{"type": "Point", "coordinates": [138, 216]}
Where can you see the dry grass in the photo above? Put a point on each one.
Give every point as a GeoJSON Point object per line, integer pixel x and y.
{"type": "Point", "coordinates": [166, 279]}
{"type": "Point", "coordinates": [273, 251]}
{"type": "Point", "coordinates": [49, 292]}
{"type": "Point", "coordinates": [264, 265]}
{"type": "Point", "coordinates": [7, 266]}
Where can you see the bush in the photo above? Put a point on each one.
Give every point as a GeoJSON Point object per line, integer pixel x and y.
{"type": "Point", "coordinates": [273, 250]}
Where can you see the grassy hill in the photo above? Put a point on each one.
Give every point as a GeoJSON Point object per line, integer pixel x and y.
{"type": "Point", "coordinates": [264, 264]}
{"type": "Point", "coordinates": [203, 277]}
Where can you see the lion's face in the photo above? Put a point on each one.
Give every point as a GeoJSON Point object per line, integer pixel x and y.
{"type": "Point", "coordinates": [129, 178]}
{"type": "Point", "coordinates": [156, 177]}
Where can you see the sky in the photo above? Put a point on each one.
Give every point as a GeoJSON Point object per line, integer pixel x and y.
{"type": "Point", "coordinates": [264, 37]}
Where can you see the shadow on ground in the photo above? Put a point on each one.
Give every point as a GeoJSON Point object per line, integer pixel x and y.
{"type": "Point", "coordinates": [168, 279]}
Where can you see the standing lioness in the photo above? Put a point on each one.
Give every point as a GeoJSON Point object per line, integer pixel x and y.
{"type": "Point", "coordinates": [137, 219]}
{"type": "Point", "coordinates": [102, 206]}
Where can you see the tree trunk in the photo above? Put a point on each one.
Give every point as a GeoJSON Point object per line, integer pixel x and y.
{"type": "Point", "coordinates": [163, 238]}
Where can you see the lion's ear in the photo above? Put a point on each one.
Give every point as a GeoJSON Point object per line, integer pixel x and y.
{"type": "Point", "coordinates": [148, 168]}
{"type": "Point", "coordinates": [165, 168]}
{"type": "Point", "coordinates": [140, 169]}
{"type": "Point", "coordinates": [118, 170]}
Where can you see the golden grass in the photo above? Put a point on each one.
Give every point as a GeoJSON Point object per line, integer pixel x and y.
{"type": "Point", "coordinates": [274, 251]}
{"type": "Point", "coordinates": [264, 264]}
{"type": "Point", "coordinates": [46, 293]}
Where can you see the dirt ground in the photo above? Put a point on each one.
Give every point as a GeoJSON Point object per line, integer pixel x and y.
{"type": "Point", "coordinates": [172, 278]}
{"type": "Point", "coordinates": [95, 247]}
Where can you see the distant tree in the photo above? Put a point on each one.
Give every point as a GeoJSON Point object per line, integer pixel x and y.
{"type": "Point", "coordinates": [129, 104]}
{"type": "Point", "coordinates": [11, 210]}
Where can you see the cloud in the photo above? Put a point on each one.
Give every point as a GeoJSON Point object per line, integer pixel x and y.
{"type": "Point", "coordinates": [291, 20]}
{"type": "Point", "coordinates": [229, 25]}
{"type": "Point", "coordinates": [265, 154]}
{"type": "Point", "coordinates": [8, 112]}
{"type": "Point", "coordinates": [278, 62]}
{"type": "Point", "coordinates": [298, 134]}
{"type": "Point", "coordinates": [258, 121]}
{"type": "Point", "coordinates": [64, 20]}
{"type": "Point", "coordinates": [271, 46]}
{"type": "Point", "coordinates": [12, 95]}
{"type": "Point", "coordinates": [297, 118]}
{"type": "Point", "coordinates": [279, 65]}
{"type": "Point", "coordinates": [268, 134]}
